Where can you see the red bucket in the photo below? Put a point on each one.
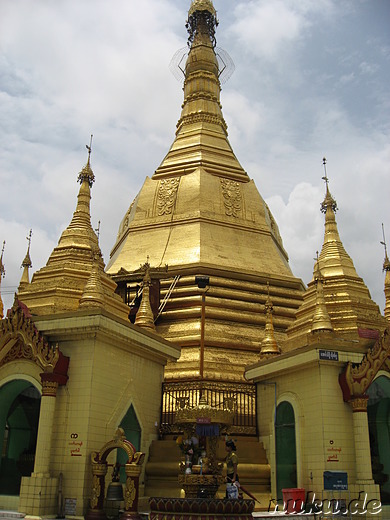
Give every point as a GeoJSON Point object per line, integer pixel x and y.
{"type": "Point", "coordinates": [294, 500]}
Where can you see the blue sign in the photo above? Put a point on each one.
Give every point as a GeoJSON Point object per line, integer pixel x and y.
{"type": "Point", "coordinates": [335, 480]}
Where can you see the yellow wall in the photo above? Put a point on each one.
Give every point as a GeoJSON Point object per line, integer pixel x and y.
{"type": "Point", "coordinates": [112, 366]}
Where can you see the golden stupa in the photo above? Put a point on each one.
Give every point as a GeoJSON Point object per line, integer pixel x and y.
{"type": "Point", "coordinates": [200, 214]}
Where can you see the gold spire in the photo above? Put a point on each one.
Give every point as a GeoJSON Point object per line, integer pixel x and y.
{"type": "Point", "coordinates": [2, 274]}
{"type": "Point", "coordinates": [145, 316]}
{"type": "Point", "coordinates": [201, 136]}
{"type": "Point", "coordinates": [269, 344]}
{"type": "Point", "coordinates": [79, 233]}
{"type": "Point", "coordinates": [386, 268]}
{"type": "Point", "coordinates": [26, 264]}
{"type": "Point", "coordinates": [93, 295]}
{"type": "Point", "coordinates": [201, 215]}
{"type": "Point", "coordinates": [321, 320]}
{"type": "Point", "coordinates": [348, 301]}
{"type": "Point", "coordinates": [68, 276]}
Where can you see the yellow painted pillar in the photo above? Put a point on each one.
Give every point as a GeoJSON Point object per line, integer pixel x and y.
{"type": "Point", "coordinates": [362, 439]}
{"type": "Point", "coordinates": [45, 426]}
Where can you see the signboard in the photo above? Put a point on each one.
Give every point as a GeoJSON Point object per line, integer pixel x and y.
{"type": "Point", "coordinates": [70, 506]}
{"type": "Point", "coordinates": [335, 480]}
{"type": "Point", "coordinates": [203, 420]}
{"type": "Point", "coordinates": [329, 355]}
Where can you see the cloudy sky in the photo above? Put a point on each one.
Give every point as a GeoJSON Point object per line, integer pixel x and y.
{"type": "Point", "coordinates": [311, 80]}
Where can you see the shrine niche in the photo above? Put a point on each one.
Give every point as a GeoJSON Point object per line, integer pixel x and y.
{"type": "Point", "coordinates": [21, 340]}
{"type": "Point", "coordinates": [357, 377]}
{"type": "Point", "coordinates": [99, 470]}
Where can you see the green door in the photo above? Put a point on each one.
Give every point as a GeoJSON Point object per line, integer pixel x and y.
{"type": "Point", "coordinates": [378, 411]}
{"type": "Point", "coordinates": [19, 416]}
{"type": "Point", "coordinates": [132, 431]}
{"type": "Point", "coordinates": [286, 455]}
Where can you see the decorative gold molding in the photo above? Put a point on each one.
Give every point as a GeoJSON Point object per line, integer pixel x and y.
{"type": "Point", "coordinates": [359, 404]}
{"type": "Point", "coordinates": [130, 493]}
{"type": "Point", "coordinates": [356, 378]}
{"type": "Point", "coordinates": [232, 198]}
{"type": "Point", "coordinates": [166, 197]}
{"type": "Point", "coordinates": [96, 490]}
{"type": "Point", "coordinates": [29, 344]}
{"type": "Point", "coordinates": [49, 388]}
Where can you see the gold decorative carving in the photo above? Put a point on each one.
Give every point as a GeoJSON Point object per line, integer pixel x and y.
{"type": "Point", "coordinates": [167, 192]}
{"type": "Point", "coordinates": [29, 344]}
{"type": "Point", "coordinates": [359, 404]}
{"type": "Point", "coordinates": [356, 378]}
{"type": "Point", "coordinates": [202, 118]}
{"type": "Point", "coordinates": [130, 493]}
{"type": "Point", "coordinates": [49, 388]}
{"type": "Point", "coordinates": [223, 416]}
{"type": "Point", "coordinates": [217, 386]}
{"type": "Point", "coordinates": [96, 490]}
{"type": "Point", "coordinates": [202, 5]}
{"type": "Point", "coordinates": [231, 197]}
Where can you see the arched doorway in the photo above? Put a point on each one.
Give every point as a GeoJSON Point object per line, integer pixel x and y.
{"type": "Point", "coordinates": [378, 411]}
{"type": "Point", "coordinates": [286, 453]}
{"type": "Point", "coordinates": [132, 430]}
{"type": "Point", "coordinates": [19, 416]}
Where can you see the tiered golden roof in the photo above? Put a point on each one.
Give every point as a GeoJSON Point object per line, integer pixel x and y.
{"type": "Point", "coordinates": [68, 275]}
{"type": "Point", "coordinates": [345, 295]}
{"type": "Point", "coordinates": [201, 215]}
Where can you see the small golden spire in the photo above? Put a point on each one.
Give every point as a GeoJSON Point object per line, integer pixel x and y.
{"type": "Point", "coordinates": [333, 257]}
{"type": "Point", "coordinates": [2, 275]}
{"type": "Point", "coordinates": [93, 295]}
{"type": "Point", "coordinates": [321, 319]}
{"type": "Point", "coordinates": [144, 317]}
{"type": "Point", "coordinates": [80, 232]}
{"type": "Point", "coordinates": [386, 268]}
{"type": "Point", "coordinates": [269, 344]}
{"type": "Point", "coordinates": [26, 265]}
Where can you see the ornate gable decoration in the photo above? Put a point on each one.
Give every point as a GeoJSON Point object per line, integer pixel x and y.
{"type": "Point", "coordinates": [20, 339]}
{"type": "Point", "coordinates": [356, 378]}
{"type": "Point", "coordinates": [167, 193]}
{"type": "Point", "coordinates": [232, 198]}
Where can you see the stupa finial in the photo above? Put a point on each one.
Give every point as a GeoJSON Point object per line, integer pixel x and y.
{"type": "Point", "coordinates": [386, 263]}
{"type": "Point", "coordinates": [202, 18]}
{"type": "Point", "coordinates": [386, 268]}
{"type": "Point", "coordinates": [328, 201]}
{"type": "Point", "coordinates": [86, 173]}
{"type": "Point", "coordinates": [26, 264]}
{"type": "Point", "coordinates": [2, 269]}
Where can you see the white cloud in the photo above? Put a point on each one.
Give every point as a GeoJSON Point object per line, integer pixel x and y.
{"type": "Point", "coordinates": [68, 69]}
